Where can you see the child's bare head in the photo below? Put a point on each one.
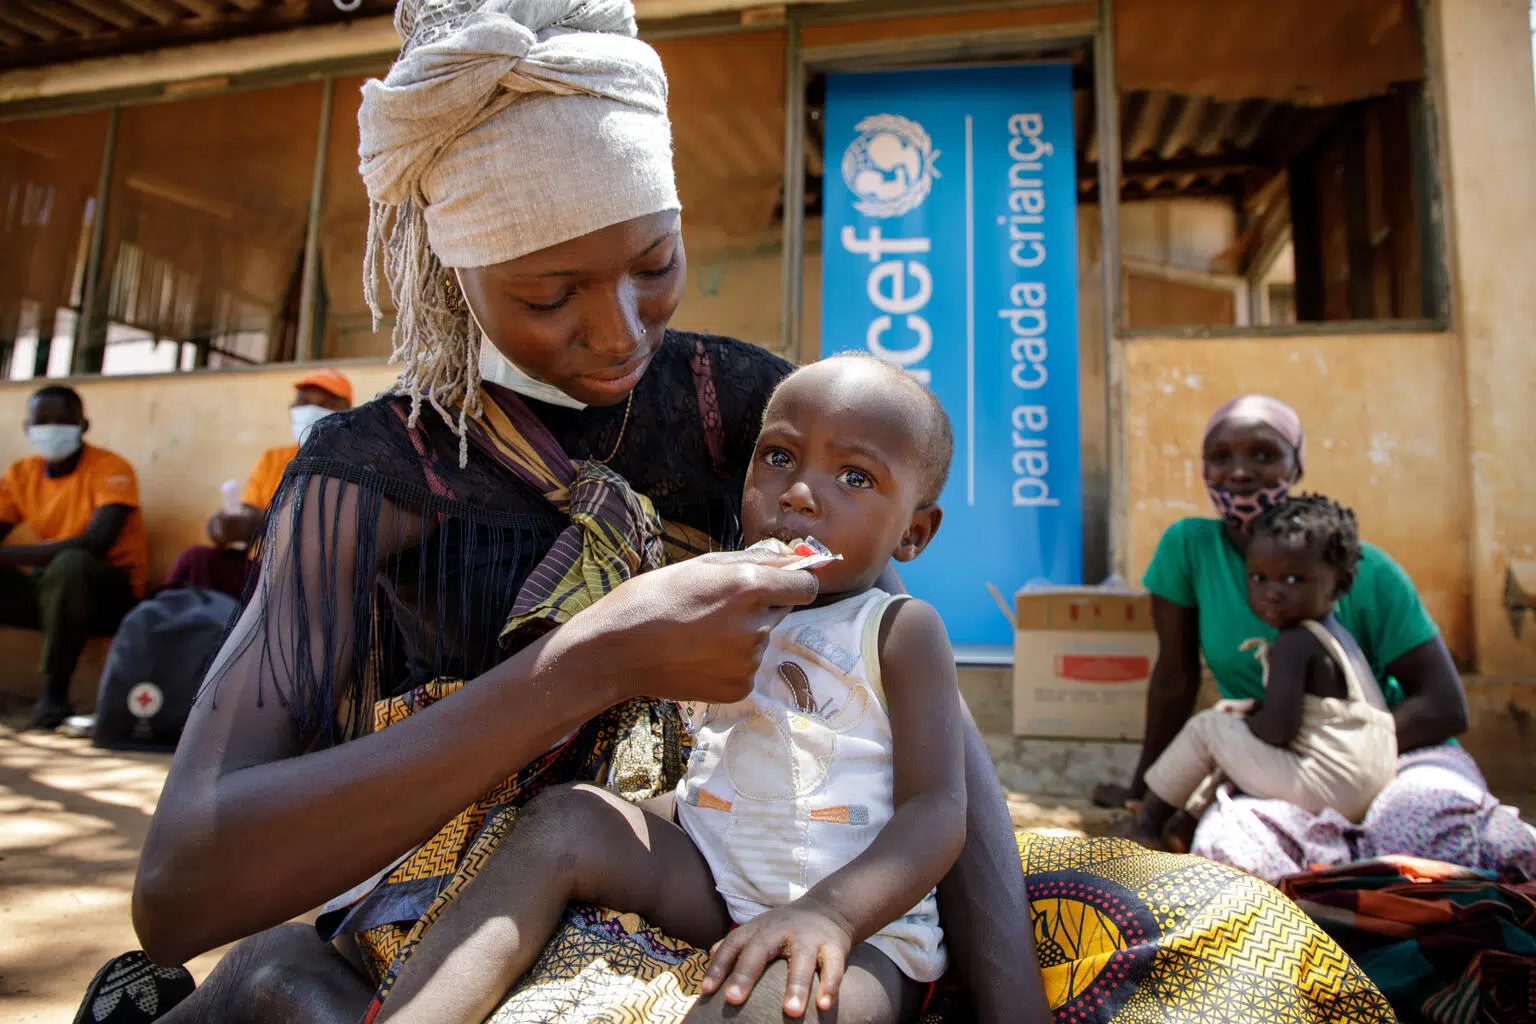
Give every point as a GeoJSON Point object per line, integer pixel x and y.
{"type": "Point", "coordinates": [854, 452]}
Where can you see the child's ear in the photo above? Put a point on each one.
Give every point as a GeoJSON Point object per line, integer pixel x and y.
{"type": "Point", "coordinates": [924, 524]}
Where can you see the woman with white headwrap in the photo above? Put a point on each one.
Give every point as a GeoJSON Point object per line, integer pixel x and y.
{"type": "Point", "coordinates": [552, 455]}
{"type": "Point", "coordinates": [525, 217]}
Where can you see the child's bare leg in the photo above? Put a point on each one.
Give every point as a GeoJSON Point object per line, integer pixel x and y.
{"type": "Point", "coordinates": [570, 843]}
{"type": "Point", "coordinates": [874, 991]}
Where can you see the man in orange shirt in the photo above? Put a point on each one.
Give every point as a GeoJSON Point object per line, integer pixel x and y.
{"type": "Point", "coordinates": [92, 563]}
{"type": "Point", "coordinates": [223, 566]}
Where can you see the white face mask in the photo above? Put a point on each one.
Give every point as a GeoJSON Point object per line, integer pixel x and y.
{"type": "Point", "coordinates": [303, 419]}
{"type": "Point", "coordinates": [498, 369]}
{"type": "Point", "coordinates": [55, 441]}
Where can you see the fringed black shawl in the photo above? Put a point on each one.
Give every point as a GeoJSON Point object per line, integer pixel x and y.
{"type": "Point", "coordinates": [385, 564]}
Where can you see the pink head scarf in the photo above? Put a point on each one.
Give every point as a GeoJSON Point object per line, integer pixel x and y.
{"type": "Point", "coordinates": [1273, 413]}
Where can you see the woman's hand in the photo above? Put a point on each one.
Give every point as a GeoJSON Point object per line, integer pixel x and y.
{"type": "Point", "coordinates": [692, 631]}
{"type": "Point", "coordinates": [808, 933]}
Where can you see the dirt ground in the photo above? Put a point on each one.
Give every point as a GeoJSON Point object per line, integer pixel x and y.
{"type": "Point", "coordinates": [72, 820]}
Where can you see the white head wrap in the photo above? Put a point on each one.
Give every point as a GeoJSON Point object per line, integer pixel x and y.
{"type": "Point", "coordinates": [505, 127]}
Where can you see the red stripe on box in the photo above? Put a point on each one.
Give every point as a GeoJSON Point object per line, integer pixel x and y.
{"type": "Point", "coordinates": [1103, 668]}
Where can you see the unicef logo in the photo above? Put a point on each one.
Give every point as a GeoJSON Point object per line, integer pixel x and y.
{"type": "Point", "coordinates": [890, 166]}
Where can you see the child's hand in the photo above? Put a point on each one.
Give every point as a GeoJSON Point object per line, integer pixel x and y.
{"type": "Point", "coordinates": [808, 933]}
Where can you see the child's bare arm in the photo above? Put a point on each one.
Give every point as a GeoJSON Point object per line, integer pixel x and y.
{"type": "Point", "coordinates": [1278, 717]}
{"type": "Point", "coordinates": [910, 855]}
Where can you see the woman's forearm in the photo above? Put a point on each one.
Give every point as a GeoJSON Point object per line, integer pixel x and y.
{"type": "Point", "coordinates": [1424, 723]}
{"type": "Point", "coordinates": [1434, 708]}
{"type": "Point", "coordinates": [984, 906]}
{"type": "Point", "coordinates": [235, 851]}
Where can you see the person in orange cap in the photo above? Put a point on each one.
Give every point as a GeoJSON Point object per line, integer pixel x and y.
{"type": "Point", "coordinates": [222, 566]}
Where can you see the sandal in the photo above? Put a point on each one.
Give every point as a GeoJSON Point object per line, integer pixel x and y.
{"type": "Point", "coordinates": [132, 989]}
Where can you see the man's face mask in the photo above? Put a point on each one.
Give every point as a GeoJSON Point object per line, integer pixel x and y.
{"type": "Point", "coordinates": [55, 441]}
{"type": "Point", "coordinates": [302, 418]}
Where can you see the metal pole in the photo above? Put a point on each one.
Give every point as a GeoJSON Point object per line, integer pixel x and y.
{"type": "Point", "coordinates": [790, 311]}
{"type": "Point", "coordinates": [93, 254]}
{"type": "Point", "coordinates": [1106, 95]}
{"type": "Point", "coordinates": [309, 286]}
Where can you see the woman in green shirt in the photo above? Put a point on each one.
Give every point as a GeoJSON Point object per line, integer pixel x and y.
{"type": "Point", "coordinates": [1253, 455]}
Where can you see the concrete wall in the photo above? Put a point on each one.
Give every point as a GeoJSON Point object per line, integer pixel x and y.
{"type": "Point", "coordinates": [1385, 435]}
{"type": "Point", "coordinates": [1425, 435]}
{"type": "Point", "coordinates": [1489, 131]}
{"type": "Point", "coordinates": [184, 434]}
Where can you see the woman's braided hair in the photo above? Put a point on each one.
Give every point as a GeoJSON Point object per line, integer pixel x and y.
{"type": "Point", "coordinates": [1320, 524]}
{"type": "Point", "coordinates": [436, 342]}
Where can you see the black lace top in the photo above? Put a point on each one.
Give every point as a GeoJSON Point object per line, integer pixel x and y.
{"type": "Point", "coordinates": [385, 564]}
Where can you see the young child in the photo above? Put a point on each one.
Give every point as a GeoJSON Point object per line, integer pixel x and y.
{"type": "Point", "coordinates": [1321, 736]}
{"type": "Point", "coordinates": [817, 815]}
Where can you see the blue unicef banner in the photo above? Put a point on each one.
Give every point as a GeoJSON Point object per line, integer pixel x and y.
{"type": "Point", "coordinates": [949, 247]}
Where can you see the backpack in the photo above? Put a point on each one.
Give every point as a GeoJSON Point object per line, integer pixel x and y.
{"type": "Point", "coordinates": [155, 666]}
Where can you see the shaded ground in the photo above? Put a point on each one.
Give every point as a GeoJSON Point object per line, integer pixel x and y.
{"type": "Point", "coordinates": [72, 820]}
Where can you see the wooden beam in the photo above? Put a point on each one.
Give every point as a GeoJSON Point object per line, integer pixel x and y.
{"type": "Point", "coordinates": [11, 38]}
{"type": "Point", "coordinates": [154, 10]}
{"type": "Point", "coordinates": [1357, 216]}
{"type": "Point", "coordinates": [200, 8]}
{"type": "Point", "coordinates": [32, 26]}
{"type": "Point", "coordinates": [1208, 166]}
{"type": "Point", "coordinates": [369, 38]}
{"type": "Point", "coordinates": [246, 5]}
{"type": "Point", "coordinates": [1306, 240]}
{"type": "Point", "coordinates": [65, 15]}
{"type": "Point", "coordinates": [108, 11]}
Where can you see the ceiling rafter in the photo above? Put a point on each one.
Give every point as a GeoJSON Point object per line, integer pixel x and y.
{"type": "Point", "coordinates": [67, 17]}
{"type": "Point", "coordinates": [37, 28]}
{"type": "Point", "coordinates": [200, 8]}
{"type": "Point", "coordinates": [155, 10]}
{"type": "Point", "coordinates": [109, 11]}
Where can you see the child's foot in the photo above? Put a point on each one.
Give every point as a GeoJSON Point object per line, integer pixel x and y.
{"type": "Point", "coordinates": [1179, 833]}
{"type": "Point", "coordinates": [1134, 829]}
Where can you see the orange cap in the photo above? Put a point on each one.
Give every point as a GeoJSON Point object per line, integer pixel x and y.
{"type": "Point", "coordinates": [328, 380]}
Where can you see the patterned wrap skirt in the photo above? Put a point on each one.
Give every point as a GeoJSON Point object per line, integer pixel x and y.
{"type": "Point", "coordinates": [1123, 935]}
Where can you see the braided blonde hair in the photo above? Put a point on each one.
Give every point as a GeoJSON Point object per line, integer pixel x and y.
{"type": "Point", "coordinates": [436, 341]}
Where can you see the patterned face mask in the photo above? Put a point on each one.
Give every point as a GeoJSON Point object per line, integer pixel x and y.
{"type": "Point", "coordinates": [1242, 509]}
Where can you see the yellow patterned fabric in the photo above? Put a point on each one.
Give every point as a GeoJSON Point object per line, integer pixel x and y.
{"type": "Point", "coordinates": [1124, 936]}
{"type": "Point", "coordinates": [636, 749]}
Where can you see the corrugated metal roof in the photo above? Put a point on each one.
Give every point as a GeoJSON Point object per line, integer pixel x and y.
{"type": "Point", "coordinates": [38, 32]}
{"type": "Point", "coordinates": [1176, 145]}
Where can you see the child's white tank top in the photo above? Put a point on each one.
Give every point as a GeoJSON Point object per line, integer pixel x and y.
{"type": "Point", "coordinates": [792, 783]}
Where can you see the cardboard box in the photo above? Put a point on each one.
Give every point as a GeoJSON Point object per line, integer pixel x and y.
{"type": "Point", "coordinates": [1081, 660]}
